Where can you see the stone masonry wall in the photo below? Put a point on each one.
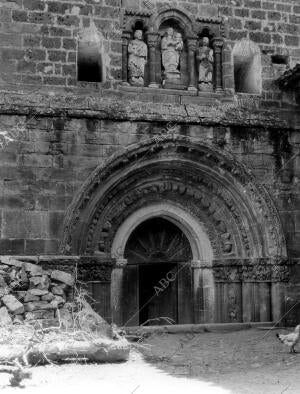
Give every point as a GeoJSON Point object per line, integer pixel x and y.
{"type": "Point", "coordinates": [54, 130]}
{"type": "Point", "coordinates": [45, 165]}
{"type": "Point", "coordinates": [38, 38]}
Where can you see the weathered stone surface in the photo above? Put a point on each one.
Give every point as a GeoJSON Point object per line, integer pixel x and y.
{"type": "Point", "coordinates": [57, 290]}
{"type": "Point", "coordinates": [11, 261]}
{"type": "Point", "coordinates": [38, 292]}
{"type": "Point", "coordinates": [40, 282]}
{"type": "Point", "coordinates": [30, 297]}
{"type": "Point", "coordinates": [64, 277]}
{"type": "Point", "coordinates": [2, 281]}
{"type": "Point", "coordinates": [5, 319]}
{"type": "Point", "coordinates": [12, 304]}
{"type": "Point", "coordinates": [4, 291]}
{"type": "Point", "coordinates": [37, 305]}
{"type": "Point", "coordinates": [33, 269]}
{"type": "Point", "coordinates": [18, 319]}
{"type": "Point", "coordinates": [20, 294]}
{"type": "Point", "coordinates": [47, 297]}
{"type": "Point", "coordinates": [57, 301]}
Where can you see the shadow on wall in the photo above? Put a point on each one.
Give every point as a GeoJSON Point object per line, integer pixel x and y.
{"type": "Point", "coordinates": [247, 67]}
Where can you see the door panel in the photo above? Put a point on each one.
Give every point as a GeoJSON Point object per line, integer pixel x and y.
{"type": "Point", "coordinates": [185, 299]}
{"type": "Point", "coordinates": [130, 301]}
{"type": "Point", "coordinates": [157, 294]}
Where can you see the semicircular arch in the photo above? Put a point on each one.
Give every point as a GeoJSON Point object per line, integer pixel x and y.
{"type": "Point", "coordinates": [210, 185]}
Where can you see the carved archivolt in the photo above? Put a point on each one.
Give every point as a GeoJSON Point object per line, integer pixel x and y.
{"type": "Point", "coordinates": [237, 214]}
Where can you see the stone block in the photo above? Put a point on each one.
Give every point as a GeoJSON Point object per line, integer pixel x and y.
{"type": "Point", "coordinates": [12, 304]}
{"type": "Point", "coordinates": [33, 269]}
{"type": "Point", "coordinates": [2, 281]}
{"type": "Point", "coordinates": [57, 290]}
{"type": "Point", "coordinates": [11, 261]}
{"type": "Point", "coordinates": [57, 301]}
{"type": "Point", "coordinates": [40, 282]}
{"type": "Point", "coordinates": [18, 319]}
{"type": "Point", "coordinates": [47, 297]}
{"type": "Point", "coordinates": [38, 305]}
{"type": "Point", "coordinates": [30, 297]}
{"type": "Point", "coordinates": [5, 319]}
{"type": "Point", "coordinates": [41, 246]}
{"type": "Point", "coordinates": [63, 277]}
{"type": "Point", "coordinates": [208, 10]}
{"type": "Point", "coordinates": [12, 246]}
{"type": "Point", "coordinates": [20, 295]}
{"type": "Point", "coordinates": [38, 292]}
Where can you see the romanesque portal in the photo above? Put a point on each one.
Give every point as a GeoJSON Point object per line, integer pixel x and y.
{"type": "Point", "coordinates": [179, 229]}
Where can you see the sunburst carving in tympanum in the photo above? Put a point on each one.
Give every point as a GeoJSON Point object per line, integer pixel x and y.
{"type": "Point", "coordinates": [157, 240]}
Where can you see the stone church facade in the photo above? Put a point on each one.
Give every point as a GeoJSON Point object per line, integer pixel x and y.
{"type": "Point", "coordinates": [163, 165]}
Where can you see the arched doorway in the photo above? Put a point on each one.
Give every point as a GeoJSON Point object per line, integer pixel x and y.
{"type": "Point", "coordinates": [158, 277]}
{"type": "Point", "coordinates": [230, 221]}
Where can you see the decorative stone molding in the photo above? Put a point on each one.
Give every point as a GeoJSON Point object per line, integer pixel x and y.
{"type": "Point", "coordinates": [204, 178]}
{"type": "Point", "coordinates": [121, 263]}
{"type": "Point", "coordinates": [215, 24]}
{"type": "Point", "coordinates": [183, 18]}
{"type": "Point", "coordinates": [258, 270]}
{"type": "Point", "coordinates": [196, 263]}
{"type": "Point", "coordinates": [131, 16]}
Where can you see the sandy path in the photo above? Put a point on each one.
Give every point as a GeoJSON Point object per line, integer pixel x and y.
{"type": "Point", "coordinates": [211, 363]}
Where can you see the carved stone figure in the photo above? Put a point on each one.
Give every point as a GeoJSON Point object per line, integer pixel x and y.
{"type": "Point", "coordinates": [171, 47]}
{"type": "Point", "coordinates": [137, 51]}
{"type": "Point", "coordinates": [205, 58]}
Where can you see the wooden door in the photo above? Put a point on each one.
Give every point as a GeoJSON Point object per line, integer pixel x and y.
{"type": "Point", "coordinates": [130, 296]}
{"type": "Point", "coordinates": [158, 294]}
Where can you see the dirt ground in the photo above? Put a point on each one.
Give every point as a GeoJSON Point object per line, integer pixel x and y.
{"type": "Point", "coordinates": [247, 361]}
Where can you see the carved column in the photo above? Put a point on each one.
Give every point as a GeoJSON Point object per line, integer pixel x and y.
{"type": "Point", "coordinates": [198, 298]}
{"type": "Point", "coordinates": [125, 41]}
{"type": "Point", "coordinates": [152, 40]}
{"type": "Point", "coordinates": [191, 44]}
{"type": "Point", "coordinates": [116, 291]}
{"type": "Point", "coordinates": [278, 304]}
{"type": "Point", "coordinates": [203, 293]}
{"type": "Point", "coordinates": [218, 45]}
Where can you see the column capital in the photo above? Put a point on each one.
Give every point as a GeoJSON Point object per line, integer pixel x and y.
{"type": "Point", "coordinates": [126, 35]}
{"type": "Point", "coordinates": [121, 263]}
{"type": "Point", "coordinates": [152, 39]}
{"type": "Point", "coordinates": [191, 43]}
{"type": "Point", "coordinates": [218, 43]}
{"type": "Point", "coordinates": [196, 263]}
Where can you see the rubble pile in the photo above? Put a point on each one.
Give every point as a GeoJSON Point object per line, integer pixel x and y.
{"type": "Point", "coordinates": [30, 293]}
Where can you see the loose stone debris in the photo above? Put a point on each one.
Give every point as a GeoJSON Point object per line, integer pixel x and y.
{"type": "Point", "coordinates": [44, 318]}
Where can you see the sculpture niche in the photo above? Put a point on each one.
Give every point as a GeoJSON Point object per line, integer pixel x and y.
{"type": "Point", "coordinates": [171, 47]}
{"type": "Point", "coordinates": [137, 58]}
{"type": "Point", "coordinates": [205, 58]}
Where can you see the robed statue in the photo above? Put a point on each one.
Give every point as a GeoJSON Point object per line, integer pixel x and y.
{"type": "Point", "coordinates": [137, 58]}
{"type": "Point", "coordinates": [171, 47]}
{"type": "Point", "coordinates": [205, 58]}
